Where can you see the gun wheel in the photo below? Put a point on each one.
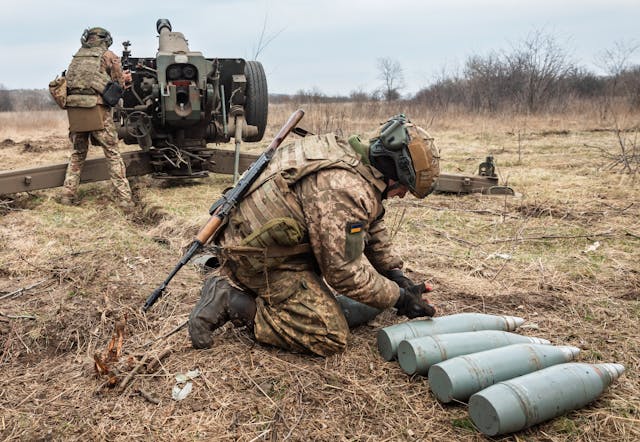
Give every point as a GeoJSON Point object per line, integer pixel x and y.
{"type": "Point", "coordinates": [257, 98]}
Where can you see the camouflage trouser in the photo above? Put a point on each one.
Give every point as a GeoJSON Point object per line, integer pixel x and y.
{"type": "Point", "coordinates": [107, 138]}
{"type": "Point", "coordinates": [299, 313]}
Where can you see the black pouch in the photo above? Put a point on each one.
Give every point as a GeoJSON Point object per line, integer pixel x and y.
{"type": "Point", "coordinates": [112, 93]}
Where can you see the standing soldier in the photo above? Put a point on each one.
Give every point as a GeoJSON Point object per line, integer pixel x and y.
{"type": "Point", "coordinates": [312, 225]}
{"type": "Point", "coordinates": [94, 83]}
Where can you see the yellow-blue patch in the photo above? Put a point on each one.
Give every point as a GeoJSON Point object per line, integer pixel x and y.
{"type": "Point", "coordinates": [354, 227]}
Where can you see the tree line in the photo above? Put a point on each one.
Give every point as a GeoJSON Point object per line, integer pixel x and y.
{"type": "Point", "coordinates": [536, 75]}
{"type": "Point", "coordinates": [25, 100]}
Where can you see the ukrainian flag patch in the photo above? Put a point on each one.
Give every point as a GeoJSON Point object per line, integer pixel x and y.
{"type": "Point", "coordinates": [354, 240]}
{"type": "Point", "coordinates": [355, 227]}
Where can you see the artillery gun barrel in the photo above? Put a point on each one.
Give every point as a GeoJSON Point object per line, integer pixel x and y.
{"type": "Point", "coordinates": [168, 41]}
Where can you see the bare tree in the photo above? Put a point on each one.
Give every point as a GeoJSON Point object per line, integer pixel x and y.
{"type": "Point", "coordinates": [359, 95]}
{"type": "Point", "coordinates": [624, 80]}
{"type": "Point", "coordinates": [623, 77]}
{"type": "Point", "coordinates": [489, 82]}
{"type": "Point", "coordinates": [390, 72]}
{"type": "Point", "coordinates": [542, 63]}
{"type": "Point", "coordinates": [265, 38]}
{"type": "Point", "coordinates": [615, 60]}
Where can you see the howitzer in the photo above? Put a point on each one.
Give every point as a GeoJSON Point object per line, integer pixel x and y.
{"type": "Point", "coordinates": [221, 209]}
{"type": "Point", "coordinates": [180, 100]}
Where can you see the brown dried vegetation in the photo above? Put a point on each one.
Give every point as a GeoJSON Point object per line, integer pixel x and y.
{"type": "Point", "coordinates": [69, 274]}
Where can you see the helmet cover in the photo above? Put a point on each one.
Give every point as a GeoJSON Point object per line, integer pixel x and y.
{"type": "Point", "coordinates": [406, 153]}
{"type": "Point", "coordinates": [103, 35]}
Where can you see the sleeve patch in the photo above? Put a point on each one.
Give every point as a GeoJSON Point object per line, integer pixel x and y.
{"type": "Point", "coordinates": [355, 227]}
{"type": "Point", "coordinates": [354, 240]}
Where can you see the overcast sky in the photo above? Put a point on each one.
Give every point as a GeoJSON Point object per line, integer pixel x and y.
{"type": "Point", "coordinates": [331, 45]}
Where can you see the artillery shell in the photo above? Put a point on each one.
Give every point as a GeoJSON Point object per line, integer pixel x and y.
{"type": "Point", "coordinates": [539, 396]}
{"type": "Point", "coordinates": [418, 354]}
{"type": "Point", "coordinates": [389, 337]}
{"type": "Point", "coordinates": [460, 377]}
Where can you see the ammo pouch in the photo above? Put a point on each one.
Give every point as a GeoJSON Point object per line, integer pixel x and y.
{"type": "Point", "coordinates": [58, 91]}
{"type": "Point", "coordinates": [112, 93]}
{"type": "Point", "coordinates": [270, 246]}
{"type": "Point", "coordinates": [86, 119]}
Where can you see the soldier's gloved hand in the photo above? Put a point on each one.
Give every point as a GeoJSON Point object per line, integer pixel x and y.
{"type": "Point", "coordinates": [126, 77]}
{"type": "Point", "coordinates": [411, 304]}
{"type": "Point", "coordinates": [397, 276]}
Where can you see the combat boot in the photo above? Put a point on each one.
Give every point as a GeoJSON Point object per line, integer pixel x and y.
{"type": "Point", "coordinates": [356, 313]}
{"type": "Point", "coordinates": [67, 201]}
{"type": "Point", "coordinates": [126, 206]}
{"type": "Point", "coordinates": [219, 303]}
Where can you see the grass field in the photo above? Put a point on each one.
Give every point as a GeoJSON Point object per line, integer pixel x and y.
{"type": "Point", "coordinates": [564, 255]}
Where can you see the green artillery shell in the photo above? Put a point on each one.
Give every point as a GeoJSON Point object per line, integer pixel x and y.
{"type": "Point", "coordinates": [390, 337]}
{"type": "Point", "coordinates": [536, 397]}
{"type": "Point", "coordinates": [460, 377]}
{"type": "Point", "coordinates": [418, 354]}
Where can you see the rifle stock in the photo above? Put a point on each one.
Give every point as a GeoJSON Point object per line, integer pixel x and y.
{"type": "Point", "coordinates": [221, 209]}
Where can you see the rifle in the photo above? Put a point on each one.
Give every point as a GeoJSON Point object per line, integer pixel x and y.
{"type": "Point", "coordinates": [221, 208]}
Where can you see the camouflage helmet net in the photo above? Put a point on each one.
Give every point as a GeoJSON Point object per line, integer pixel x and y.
{"type": "Point", "coordinates": [406, 153]}
{"type": "Point", "coordinates": [92, 37]}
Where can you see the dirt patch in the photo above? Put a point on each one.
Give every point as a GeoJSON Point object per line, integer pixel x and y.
{"type": "Point", "coordinates": [7, 142]}
{"type": "Point", "coordinates": [18, 203]}
{"type": "Point", "coordinates": [49, 144]}
{"type": "Point", "coordinates": [539, 210]}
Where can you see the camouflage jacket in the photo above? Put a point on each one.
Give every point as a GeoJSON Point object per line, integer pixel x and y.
{"type": "Point", "coordinates": [321, 192]}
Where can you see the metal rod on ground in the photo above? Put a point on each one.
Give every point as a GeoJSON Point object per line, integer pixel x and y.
{"type": "Point", "coordinates": [172, 332]}
{"type": "Point", "coordinates": [238, 138]}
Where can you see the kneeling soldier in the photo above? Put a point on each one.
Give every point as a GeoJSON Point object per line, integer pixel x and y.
{"type": "Point", "coordinates": [310, 226]}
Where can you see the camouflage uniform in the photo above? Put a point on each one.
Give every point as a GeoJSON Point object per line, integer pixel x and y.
{"type": "Point", "coordinates": [315, 192]}
{"type": "Point", "coordinates": [107, 138]}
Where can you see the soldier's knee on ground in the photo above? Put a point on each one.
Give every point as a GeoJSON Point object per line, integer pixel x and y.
{"type": "Point", "coordinates": [219, 302]}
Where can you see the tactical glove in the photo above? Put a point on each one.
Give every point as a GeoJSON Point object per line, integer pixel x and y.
{"type": "Point", "coordinates": [411, 304]}
{"type": "Point", "coordinates": [397, 276]}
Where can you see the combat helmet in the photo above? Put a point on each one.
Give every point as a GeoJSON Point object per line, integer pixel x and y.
{"type": "Point", "coordinates": [407, 154]}
{"type": "Point", "coordinates": [103, 35]}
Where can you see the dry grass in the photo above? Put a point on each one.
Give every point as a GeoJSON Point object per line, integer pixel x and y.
{"type": "Point", "coordinates": [85, 267]}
